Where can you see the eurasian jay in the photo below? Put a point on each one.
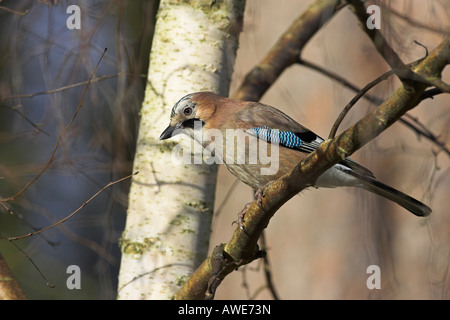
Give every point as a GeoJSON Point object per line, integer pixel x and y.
{"type": "Point", "coordinates": [207, 117]}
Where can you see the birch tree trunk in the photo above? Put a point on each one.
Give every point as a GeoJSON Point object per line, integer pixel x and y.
{"type": "Point", "coordinates": [170, 203]}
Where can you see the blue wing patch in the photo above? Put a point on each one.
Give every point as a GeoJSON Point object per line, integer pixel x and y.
{"type": "Point", "coordinates": [284, 138]}
{"type": "Point", "coordinates": [306, 141]}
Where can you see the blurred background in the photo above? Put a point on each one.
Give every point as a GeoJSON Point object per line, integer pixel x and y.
{"type": "Point", "coordinates": [319, 244]}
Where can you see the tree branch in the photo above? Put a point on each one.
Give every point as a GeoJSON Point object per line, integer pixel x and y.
{"type": "Point", "coordinates": [286, 50]}
{"type": "Point", "coordinates": [415, 125]}
{"type": "Point", "coordinates": [376, 37]}
{"type": "Point", "coordinates": [243, 245]}
{"type": "Point", "coordinates": [55, 148]}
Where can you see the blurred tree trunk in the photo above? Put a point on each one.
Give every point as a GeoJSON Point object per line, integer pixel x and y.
{"type": "Point", "coordinates": [171, 204]}
{"type": "Point", "coordinates": [9, 288]}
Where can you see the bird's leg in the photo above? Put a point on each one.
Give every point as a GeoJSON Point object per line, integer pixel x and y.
{"type": "Point", "coordinates": [260, 194]}
{"type": "Point", "coordinates": [240, 220]}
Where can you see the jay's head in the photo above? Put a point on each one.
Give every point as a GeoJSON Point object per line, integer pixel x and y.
{"type": "Point", "coordinates": [189, 114]}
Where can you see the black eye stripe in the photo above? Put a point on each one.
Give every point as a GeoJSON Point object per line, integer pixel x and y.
{"type": "Point", "coordinates": [191, 122]}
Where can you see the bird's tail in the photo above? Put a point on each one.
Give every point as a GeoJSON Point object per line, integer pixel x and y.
{"type": "Point", "coordinates": [407, 202]}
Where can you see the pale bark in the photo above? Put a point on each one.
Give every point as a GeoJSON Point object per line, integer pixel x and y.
{"type": "Point", "coordinates": [170, 203]}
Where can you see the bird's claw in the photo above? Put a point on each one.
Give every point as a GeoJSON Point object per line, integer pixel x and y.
{"type": "Point", "coordinates": [240, 220]}
{"type": "Point", "coordinates": [260, 194]}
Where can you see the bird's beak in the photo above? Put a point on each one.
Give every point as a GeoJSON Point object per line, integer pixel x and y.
{"type": "Point", "coordinates": [169, 132]}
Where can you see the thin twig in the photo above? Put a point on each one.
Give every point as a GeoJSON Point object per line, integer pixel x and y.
{"type": "Point", "coordinates": [420, 129]}
{"type": "Point", "coordinates": [352, 102]}
{"type": "Point", "coordinates": [70, 86]}
{"type": "Point", "coordinates": [21, 114]}
{"type": "Point", "coordinates": [403, 71]}
{"type": "Point", "coordinates": [14, 11]}
{"type": "Point", "coordinates": [52, 156]}
{"type": "Point", "coordinates": [413, 22]}
{"type": "Point", "coordinates": [378, 40]}
{"type": "Point", "coordinates": [74, 212]}
{"type": "Point", "coordinates": [267, 269]}
{"type": "Point", "coordinates": [32, 262]}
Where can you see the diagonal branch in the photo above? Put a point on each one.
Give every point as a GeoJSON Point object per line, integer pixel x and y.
{"type": "Point", "coordinates": [412, 123]}
{"type": "Point", "coordinates": [73, 212]}
{"type": "Point", "coordinates": [376, 37]}
{"type": "Point", "coordinates": [287, 49]}
{"type": "Point", "coordinates": [242, 247]}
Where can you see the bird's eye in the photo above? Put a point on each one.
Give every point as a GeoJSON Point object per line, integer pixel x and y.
{"type": "Point", "coordinates": [187, 111]}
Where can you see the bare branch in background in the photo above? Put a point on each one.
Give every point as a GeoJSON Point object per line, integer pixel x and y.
{"type": "Point", "coordinates": [287, 50]}
{"type": "Point", "coordinates": [60, 137]}
{"type": "Point", "coordinates": [413, 123]}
